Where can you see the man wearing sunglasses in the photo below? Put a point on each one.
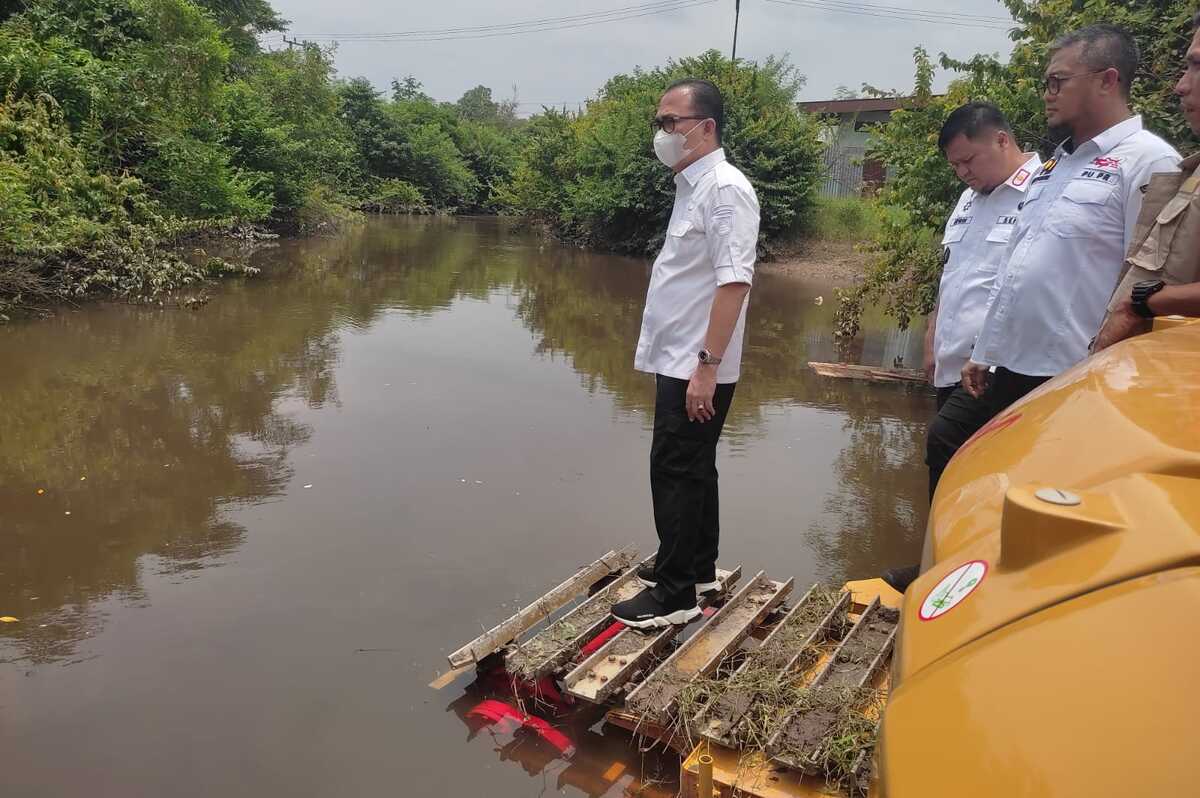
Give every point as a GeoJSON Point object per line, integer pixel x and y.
{"type": "Point", "coordinates": [1073, 229]}
{"type": "Point", "coordinates": [691, 340]}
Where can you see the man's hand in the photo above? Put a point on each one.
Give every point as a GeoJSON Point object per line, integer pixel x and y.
{"type": "Point", "coordinates": [975, 378]}
{"type": "Point", "coordinates": [701, 388]}
{"type": "Point", "coordinates": [1122, 324]}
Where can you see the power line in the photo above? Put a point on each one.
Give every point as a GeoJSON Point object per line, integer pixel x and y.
{"type": "Point", "coordinates": [508, 25]}
{"type": "Point", "coordinates": [920, 11]}
{"type": "Point", "coordinates": [517, 28]}
{"type": "Point", "coordinates": [859, 9]}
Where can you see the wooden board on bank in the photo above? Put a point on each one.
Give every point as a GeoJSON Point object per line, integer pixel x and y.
{"type": "Point", "coordinates": [852, 371]}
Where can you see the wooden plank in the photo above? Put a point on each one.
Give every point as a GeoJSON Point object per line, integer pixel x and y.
{"type": "Point", "coordinates": [703, 652]}
{"type": "Point", "coordinates": [807, 620]}
{"type": "Point", "coordinates": [560, 641]}
{"type": "Point", "coordinates": [451, 676]}
{"type": "Point", "coordinates": [499, 636]}
{"type": "Point", "coordinates": [871, 373]}
{"type": "Point", "coordinates": [614, 664]}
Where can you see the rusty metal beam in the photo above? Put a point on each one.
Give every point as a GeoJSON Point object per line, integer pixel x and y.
{"type": "Point", "coordinates": [561, 640]}
{"type": "Point", "coordinates": [704, 651]}
{"type": "Point", "coordinates": [498, 636]}
{"type": "Point", "coordinates": [614, 664]}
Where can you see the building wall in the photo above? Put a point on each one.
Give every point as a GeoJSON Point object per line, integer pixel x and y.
{"type": "Point", "coordinates": [845, 153]}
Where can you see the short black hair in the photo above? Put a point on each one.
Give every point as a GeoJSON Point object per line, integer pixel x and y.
{"type": "Point", "coordinates": [706, 100]}
{"type": "Point", "coordinates": [1196, 20]}
{"type": "Point", "coordinates": [972, 120]}
{"type": "Point", "coordinates": [1104, 47]}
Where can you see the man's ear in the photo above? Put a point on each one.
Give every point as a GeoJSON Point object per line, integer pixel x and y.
{"type": "Point", "coordinates": [1111, 79]}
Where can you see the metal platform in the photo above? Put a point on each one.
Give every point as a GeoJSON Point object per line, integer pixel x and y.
{"type": "Point", "coordinates": [826, 643]}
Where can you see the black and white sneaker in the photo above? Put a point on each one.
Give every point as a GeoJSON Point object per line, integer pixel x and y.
{"type": "Point", "coordinates": [644, 611]}
{"type": "Point", "coordinates": [709, 590]}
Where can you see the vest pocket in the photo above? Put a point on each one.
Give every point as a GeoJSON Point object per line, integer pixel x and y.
{"type": "Point", "coordinates": [1155, 250]}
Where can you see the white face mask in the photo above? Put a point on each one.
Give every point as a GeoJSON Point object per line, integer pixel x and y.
{"type": "Point", "coordinates": [671, 148]}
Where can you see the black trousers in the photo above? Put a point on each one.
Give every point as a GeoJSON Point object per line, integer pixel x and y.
{"type": "Point", "coordinates": [683, 484]}
{"type": "Point", "coordinates": [960, 416]}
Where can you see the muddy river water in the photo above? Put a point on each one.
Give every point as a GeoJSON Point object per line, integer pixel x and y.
{"type": "Point", "coordinates": [239, 541]}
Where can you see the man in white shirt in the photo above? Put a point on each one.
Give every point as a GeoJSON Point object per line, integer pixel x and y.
{"type": "Point", "coordinates": [1074, 227]}
{"type": "Point", "coordinates": [978, 142]}
{"type": "Point", "coordinates": [691, 340]}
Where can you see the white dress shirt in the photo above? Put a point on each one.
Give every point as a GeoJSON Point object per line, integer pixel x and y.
{"type": "Point", "coordinates": [712, 240]}
{"type": "Point", "coordinates": [975, 241]}
{"type": "Point", "coordinates": [1074, 228]}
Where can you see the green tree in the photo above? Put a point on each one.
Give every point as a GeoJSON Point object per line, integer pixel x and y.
{"type": "Point", "coordinates": [477, 105]}
{"type": "Point", "coordinates": [594, 179]}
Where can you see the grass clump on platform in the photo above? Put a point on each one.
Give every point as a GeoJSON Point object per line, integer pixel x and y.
{"type": "Point", "coordinates": [755, 710]}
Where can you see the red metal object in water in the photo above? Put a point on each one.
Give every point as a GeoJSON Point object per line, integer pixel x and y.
{"type": "Point", "coordinates": [509, 719]}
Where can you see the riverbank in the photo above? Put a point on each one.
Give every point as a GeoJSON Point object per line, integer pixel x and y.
{"type": "Point", "coordinates": [837, 262]}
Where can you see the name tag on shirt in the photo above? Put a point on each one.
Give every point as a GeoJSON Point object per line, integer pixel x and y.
{"type": "Point", "coordinates": [1001, 232]}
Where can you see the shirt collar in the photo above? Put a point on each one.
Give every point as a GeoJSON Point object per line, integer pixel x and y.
{"type": "Point", "coordinates": [702, 167]}
{"type": "Point", "coordinates": [1113, 136]}
{"type": "Point", "coordinates": [1020, 178]}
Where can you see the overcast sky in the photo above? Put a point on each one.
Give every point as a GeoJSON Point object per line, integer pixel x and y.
{"type": "Point", "coordinates": [831, 48]}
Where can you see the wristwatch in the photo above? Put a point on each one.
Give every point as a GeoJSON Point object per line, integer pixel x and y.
{"type": "Point", "coordinates": [1142, 291]}
{"type": "Point", "coordinates": [709, 358]}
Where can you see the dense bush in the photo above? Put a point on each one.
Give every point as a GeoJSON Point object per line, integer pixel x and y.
{"type": "Point", "coordinates": [594, 178]}
{"type": "Point", "coordinates": [130, 122]}
{"type": "Point", "coordinates": [68, 228]}
{"type": "Point", "coordinates": [922, 188]}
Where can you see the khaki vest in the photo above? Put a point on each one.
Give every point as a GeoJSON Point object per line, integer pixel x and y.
{"type": "Point", "coordinates": [1166, 240]}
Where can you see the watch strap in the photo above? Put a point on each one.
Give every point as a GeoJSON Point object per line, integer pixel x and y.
{"type": "Point", "coordinates": [1140, 297]}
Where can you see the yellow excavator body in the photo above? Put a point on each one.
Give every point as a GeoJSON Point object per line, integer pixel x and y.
{"type": "Point", "coordinates": [1051, 645]}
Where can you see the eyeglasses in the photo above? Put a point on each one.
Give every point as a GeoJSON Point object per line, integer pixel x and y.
{"type": "Point", "coordinates": [667, 123]}
{"type": "Point", "coordinates": [1052, 85]}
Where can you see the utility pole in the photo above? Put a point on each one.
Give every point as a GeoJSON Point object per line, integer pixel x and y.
{"type": "Point", "coordinates": [737, 12]}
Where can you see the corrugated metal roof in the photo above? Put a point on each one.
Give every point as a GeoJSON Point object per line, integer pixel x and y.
{"type": "Point", "coordinates": [854, 106]}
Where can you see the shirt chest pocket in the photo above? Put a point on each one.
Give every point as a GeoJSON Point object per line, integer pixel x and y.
{"type": "Point", "coordinates": [681, 228]}
{"type": "Point", "coordinates": [1078, 211]}
{"type": "Point", "coordinates": [955, 232]}
{"type": "Point", "coordinates": [1002, 230]}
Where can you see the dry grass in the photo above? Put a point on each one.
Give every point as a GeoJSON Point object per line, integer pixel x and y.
{"type": "Point", "coordinates": [766, 702]}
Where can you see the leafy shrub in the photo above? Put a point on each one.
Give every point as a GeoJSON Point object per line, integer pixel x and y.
{"type": "Point", "coordinates": [68, 229]}
{"type": "Point", "coordinates": [396, 196]}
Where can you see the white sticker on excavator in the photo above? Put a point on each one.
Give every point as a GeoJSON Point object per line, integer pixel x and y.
{"type": "Point", "coordinates": [954, 587]}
